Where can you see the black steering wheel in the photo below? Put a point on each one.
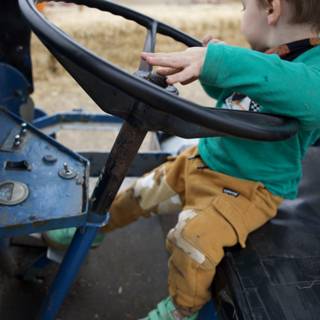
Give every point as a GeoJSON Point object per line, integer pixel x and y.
{"type": "Point", "coordinates": [142, 98]}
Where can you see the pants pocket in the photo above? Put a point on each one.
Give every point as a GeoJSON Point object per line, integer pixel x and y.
{"type": "Point", "coordinates": [234, 211]}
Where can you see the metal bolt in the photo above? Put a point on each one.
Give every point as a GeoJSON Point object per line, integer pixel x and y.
{"type": "Point", "coordinates": [66, 172]}
{"type": "Point", "coordinates": [23, 129]}
{"type": "Point", "coordinates": [17, 140]}
{"type": "Point", "coordinates": [66, 168]}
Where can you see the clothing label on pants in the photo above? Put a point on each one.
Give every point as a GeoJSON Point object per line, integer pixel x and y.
{"type": "Point", "coordinates": [231, 192]}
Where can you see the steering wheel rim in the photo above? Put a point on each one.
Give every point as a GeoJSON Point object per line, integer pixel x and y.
{"type": "Point", "coordinates": [243, 124]}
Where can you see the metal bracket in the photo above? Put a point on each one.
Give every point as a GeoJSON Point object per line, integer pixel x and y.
{"type": "Point", "coordinates": [97, 220]}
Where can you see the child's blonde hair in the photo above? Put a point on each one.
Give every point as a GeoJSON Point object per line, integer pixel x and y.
{"type": "Point", "coordinates": [304, 11]}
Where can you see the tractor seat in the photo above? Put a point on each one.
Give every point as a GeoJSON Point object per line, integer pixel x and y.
{"type": "Point", "coordinates": [277, 276]}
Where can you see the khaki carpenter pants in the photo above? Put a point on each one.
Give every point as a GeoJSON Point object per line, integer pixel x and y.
{"type": "Point", "coordinates": [215, 211]}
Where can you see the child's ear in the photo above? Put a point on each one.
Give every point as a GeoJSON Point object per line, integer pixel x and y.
{"type": "Point", "coordinates": [274, 11]}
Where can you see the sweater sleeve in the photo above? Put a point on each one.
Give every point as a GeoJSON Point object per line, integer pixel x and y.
{"type": "Point", "coordinates": [212, 91]}
{"type": "Point", "coordinates": [279, 86]}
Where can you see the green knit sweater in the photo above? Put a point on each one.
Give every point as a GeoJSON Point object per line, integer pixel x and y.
{"type": "Point", "coordinates": [279, 87]}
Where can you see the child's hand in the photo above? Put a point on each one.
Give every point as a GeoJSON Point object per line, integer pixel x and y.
{"type": "Point", "coordinates": [210, 39]}
{"type": "Point", "coordinates": [183, 67]}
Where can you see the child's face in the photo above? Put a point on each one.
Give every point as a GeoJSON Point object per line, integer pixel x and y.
{"type": "Point", "coordinates": [254, 24]}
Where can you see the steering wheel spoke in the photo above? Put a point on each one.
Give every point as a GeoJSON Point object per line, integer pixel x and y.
{"type": "Point", "coordinates": [149, 46]}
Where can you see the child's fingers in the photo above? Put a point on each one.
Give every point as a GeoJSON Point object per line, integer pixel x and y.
{"type": "Point", "coordinates": [185, 76]}
{"type": "Point", "coordinates": [166, 71]}
{"type": "Point", "coordinates": [210, 39]}
{"type": "Point", "coordinates": [189, 81]}
{"type": "Point", "coordinates": [164, 61]}
{"type": "Point", "coordinates": [172, 60]}
{"type": "Point", "coordinates": [206, 40]}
